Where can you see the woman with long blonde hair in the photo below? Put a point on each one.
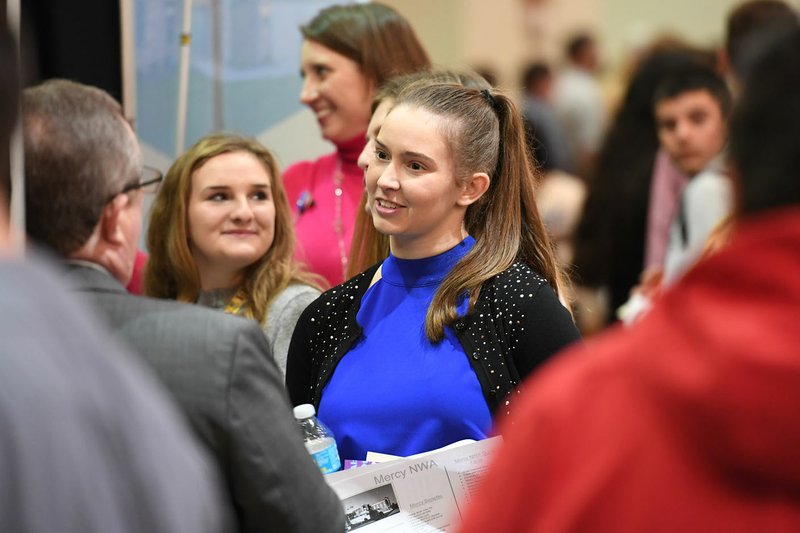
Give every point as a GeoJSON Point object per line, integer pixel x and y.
{"type": "Point", "coordinates": [221, 235]}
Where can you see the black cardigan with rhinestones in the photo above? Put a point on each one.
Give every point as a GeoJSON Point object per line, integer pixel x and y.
{"type": "Point", "coordinates": [517, 324]}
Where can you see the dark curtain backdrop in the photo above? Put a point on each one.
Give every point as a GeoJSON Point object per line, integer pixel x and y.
{"type": "Point", "coordinates": [74, 39]}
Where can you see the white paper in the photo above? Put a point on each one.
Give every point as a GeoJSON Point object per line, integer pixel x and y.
{"type": "Point", "coordinates": [425, 493]}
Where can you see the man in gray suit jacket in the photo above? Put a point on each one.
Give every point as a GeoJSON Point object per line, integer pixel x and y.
{"type": "Point", "coordinates": [88, 442]}
{"type": "Point", "coordinates": [84, 198]}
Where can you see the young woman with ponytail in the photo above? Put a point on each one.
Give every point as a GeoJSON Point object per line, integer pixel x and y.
{"type": "Point", "coordinates": [426, 348]}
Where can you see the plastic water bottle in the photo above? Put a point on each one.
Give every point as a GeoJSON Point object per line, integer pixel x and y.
{"type": "Point", "coordinates": [319, 440]}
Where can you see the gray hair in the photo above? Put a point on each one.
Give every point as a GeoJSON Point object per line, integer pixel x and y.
{"type": "Point", "coordinates": [79, 153]}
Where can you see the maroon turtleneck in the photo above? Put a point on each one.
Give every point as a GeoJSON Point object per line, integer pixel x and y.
{"type": "Point", "coordinates": [312, 191]}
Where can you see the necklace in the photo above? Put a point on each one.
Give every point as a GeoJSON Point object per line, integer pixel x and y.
{"type": "Point", "coordinates": [236, 303]}
{"type": "Point", "coordinates": [338, 226]}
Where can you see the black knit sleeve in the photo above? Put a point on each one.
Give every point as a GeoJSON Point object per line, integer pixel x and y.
{"type": "Point", "coordinates": [299, 359]}
{"type": "Point", "coordinates": [326, 328]}
{"type": "Point", "coordinates": [547, 328]}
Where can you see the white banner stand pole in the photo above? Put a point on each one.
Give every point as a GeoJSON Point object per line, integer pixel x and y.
{"type": "Point", "coordinates": [216, 40]}
{"type": "Point", "coordinates": [128, 41]}
{"type": "Point", "coordinates": [16, 153]}
{"type": "Point", "coordinates": [183, 77]}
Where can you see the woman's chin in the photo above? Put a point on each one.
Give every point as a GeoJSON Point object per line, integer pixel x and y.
{"type": "Point", "coordinates": [240, 260]}
{"type": "Point", "coordinates": [333, 132]}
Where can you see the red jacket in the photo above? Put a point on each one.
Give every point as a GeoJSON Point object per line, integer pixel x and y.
{"type": "Point", "coordinates": [689, 421]}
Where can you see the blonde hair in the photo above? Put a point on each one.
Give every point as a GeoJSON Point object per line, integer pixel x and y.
{"type": "Point", "coordinates": [171, 271]}
{"type": "Point", "coordinates": [485, 133]}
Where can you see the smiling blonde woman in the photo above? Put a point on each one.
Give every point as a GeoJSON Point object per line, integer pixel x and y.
{"type": "Point", "coordinates": [221, 235]}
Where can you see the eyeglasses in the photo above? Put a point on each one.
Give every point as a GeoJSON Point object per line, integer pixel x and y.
{"type": "Point", "coordinates": [148, 183]}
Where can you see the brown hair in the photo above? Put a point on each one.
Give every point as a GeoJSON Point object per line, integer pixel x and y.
{"type": "Point", "coordinates": [375, 36]}
{"type": "Point", "coordinates": [752, 25]}
{"type": "Point", "coordinates": [485, 134]}
{"type": "Point", "coordinates": [369, 246]}
{"type": "Point", "coordinates": [79, 153]}
{"type": "Point", "coordinates": [171, 271]}
{"type": "Point", "coordinates": [764, 146]}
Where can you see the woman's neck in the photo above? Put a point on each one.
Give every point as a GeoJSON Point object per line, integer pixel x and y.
{"type": "Point", "coordinates": [220, 279]}
{"type": "Point", "coordinates": [348, 152]}
{"type": "Point", "coordinates": [404, 247]}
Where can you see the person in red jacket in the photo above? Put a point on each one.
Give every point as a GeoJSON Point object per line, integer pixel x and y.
{"type": "Point", "coordinates": [688, 420]}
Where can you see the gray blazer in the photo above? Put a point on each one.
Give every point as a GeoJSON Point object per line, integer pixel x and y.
{"type": "Point", "coordinates": [88, 442]}
{"type": "Point", "coordinates": [220, 371]}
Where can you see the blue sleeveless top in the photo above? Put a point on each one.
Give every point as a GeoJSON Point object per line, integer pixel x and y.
{"type": "Point", "coordinates": [395, 392]}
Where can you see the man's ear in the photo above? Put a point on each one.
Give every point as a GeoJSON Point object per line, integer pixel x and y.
{"type": "Point", "coordinates": [110, 226]}
{"type": "Point", "coordinates": [475, 187]}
